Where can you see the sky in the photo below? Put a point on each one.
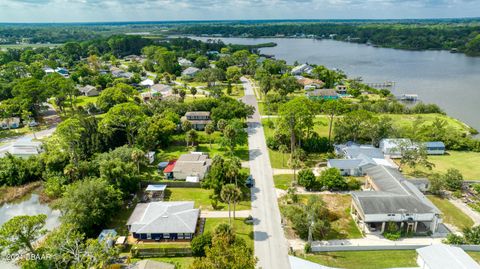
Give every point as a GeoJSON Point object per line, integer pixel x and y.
{"type": "Point", "coordinates": [161, 10]}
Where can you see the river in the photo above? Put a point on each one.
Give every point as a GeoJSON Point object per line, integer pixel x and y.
{"type": "Point", "coordinates": [29, 205]}
{"type": "Point", "coordinates": [449, 80]}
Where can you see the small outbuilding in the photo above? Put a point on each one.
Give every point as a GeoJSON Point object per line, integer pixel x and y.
{"type": "Point", "coordinates": [435, 148]}
{"type": "Point", "coordinates": [155, 192]}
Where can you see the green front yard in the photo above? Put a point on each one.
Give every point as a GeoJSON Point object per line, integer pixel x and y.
{"type": "Point", "coordinates": [465, 161]}
{"type": "Point", "coordinates": [365, 259]}
{"type": "Point", "coordinates": [242, 229]}
{"type": "Point", "coordinates": [343, 225]}
{"type": "Point", "coordinates": [201, 197]}
{"type": "Point", "coordinates": [283, 182]}
{"type": "Point", "coordinates": [451, 214]}
{"type": "Point", "coordinates": [179, 262]}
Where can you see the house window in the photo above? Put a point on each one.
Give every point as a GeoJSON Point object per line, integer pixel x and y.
{"type": "Point", "coordinates": [180, 236]}
{"type": "Point", "coordinates": [149, 236]}
{"type": "Point", "coordinates": [188, 236]}
{"type": "Point", "coordinates": [166, 236]}
{"type": "Point", "coordinates": [391, 215]}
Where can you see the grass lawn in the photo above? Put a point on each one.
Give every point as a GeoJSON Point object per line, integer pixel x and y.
{"type": "Point", "coordinates": [343, 226]}
{"type": "Point", "coordinates": [242, 229]}
{"type": "Point", "coordinates": [451, 214]}
{"type": "Point", "coordinates": [365, 259]}
{"type": "Point", "coordinates": [475, 255]}
{"type": "Point", "coordinates": [179, 262]}
{"type": "Point", "coordinates": [283, 182]}
{"type": "Point", "coordinates": [84, 100]}
{"type": "Point", "coordinates": [201, 197]}
{"type": "Point", "coordinates": [402, 121]}
{"type": "Point", "coordinates": [466, 162]}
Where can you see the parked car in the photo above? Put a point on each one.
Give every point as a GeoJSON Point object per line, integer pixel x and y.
{"type": "Point", "coordinates": [250, 182]}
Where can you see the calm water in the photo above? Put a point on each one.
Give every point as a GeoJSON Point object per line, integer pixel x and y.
{"type": "Point", "coordinates": [29, 206]}
{"type": "Point", "coordinates": [451, 81]}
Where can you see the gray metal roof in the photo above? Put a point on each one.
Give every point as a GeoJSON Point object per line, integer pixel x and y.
{"type": "Point", "coordinates": [353, 152]}
{"type": "Point", "coordinates": [435, 144]}
{"type": "Point", "coordinates": [164, 217]}
{"type": "Point", "coordinates": [394, 194]}
{"type": "Point", "coordinates": [344, 163]}
{"type": "Point", "coordinates": [446, 257]}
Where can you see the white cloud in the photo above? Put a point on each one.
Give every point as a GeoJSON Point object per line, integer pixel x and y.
{"type": "Point", "coordinates": [154, 10]}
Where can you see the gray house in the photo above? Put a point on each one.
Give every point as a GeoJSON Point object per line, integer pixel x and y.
{"type": "Point", "coordinates": [168, 221]}
{"type": "Point", "coordinates": [190, 167]}
{"type": "Point", "coordinates": [392, 198]}
{"type": "Point", "coordinates": [89, 90]}
{"type": "Point", "coordinates": [198, 119]}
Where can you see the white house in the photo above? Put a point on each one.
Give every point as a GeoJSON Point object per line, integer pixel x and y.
{"type": "Point", "coordinates": [89, 90]}
{"type": "Point", "coordinates": [190, 72]}
{"type": "Point", "coordinates": [389, 197]}
{"type": "Point", "coordinates": [10, 123]}
{"type": "Point", "coordinates": [184, 62]}
{"type": "Point", "coordinates": [392, 146]}
{"type": "Point", "coordinates": [147, 83]}
{"type": "Point", "coordinates": [304, 68]}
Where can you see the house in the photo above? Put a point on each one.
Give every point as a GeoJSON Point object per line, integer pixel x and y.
{"type": "Point", "coordinates": [341, 89]}
{"type": "Point", "coordinates": [10, 123]}
{"type": "Point", "coordinates": [190, 72]}
{"type": "Point", "coordinates": [119, 73]}
{"type": "Point", "coordinates": [435, 148]}
{"type": "Point", "coordinates": [23, 149]}
{"type": "Point", "coordinates": [151, 264]}
{"type": "Point", "coordinates": [133, 58]}
{"type": "Point", "coordinates": [184, 62]}
{"type": "Point", "coordinates": [198, 119]}
{"type": "Point", "coordinates": [389, 197]}
{"type": "Point", "coordinates": [48, 70]}
{"type": "Point", "coordinates": [392, 146]}
{"type": "Point", "coordinates": [157, 91]}
{"type": "Point", "coordinates": [357, 159]}
{"type": "Point", "coordinates": [310, 84]}
{"type": "Point", "coordinates": [325, 94]}
{"type": "Point", "coordinates": [88, 90]}
{"type": "Point", "coordinates": [301, 69]}
{"type": "Point", "coordinates": [168, 221]}
{"type": "Point", "coordinates": [191, 167]}
{"type": "Point", "coordinates": [147, 83]}
{"type": "Point", "coordinates": [441, 256]}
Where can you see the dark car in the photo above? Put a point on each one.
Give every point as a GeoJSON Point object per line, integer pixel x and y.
{"type": "Point", "coordinates": [250, 182]}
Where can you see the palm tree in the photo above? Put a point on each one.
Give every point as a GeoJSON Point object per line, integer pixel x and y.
{"type": "Point", "coordinates": [192, 137]}
{"type": "Point", "coordinates": [209, 130]}
{"type": "Point", "coordinates": [230, 194]}
{"type": "Point", "coordinates": [137, 156]}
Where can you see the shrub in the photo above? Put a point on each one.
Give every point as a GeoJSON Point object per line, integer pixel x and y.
{"type": "Point", "coordinates": [392, 232]}
{"type": "Point", "coordinates": [353, 184]}
{"type": "Point", "coordinates": [307, 248]}
{"type": "Point", "coordinates": [200, 243]}
{"type": "Point", "coordinates": [307, 179]}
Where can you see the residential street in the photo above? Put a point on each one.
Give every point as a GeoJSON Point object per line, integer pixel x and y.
{"type": "Point", "coordinates": [270, 243]}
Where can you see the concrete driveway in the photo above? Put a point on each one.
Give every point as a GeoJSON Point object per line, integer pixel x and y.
{"type": "Point", "coordinates": [270, 244]}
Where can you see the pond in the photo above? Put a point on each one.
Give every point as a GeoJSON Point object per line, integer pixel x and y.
{"type": "Point", "coordinates": [29, 205]}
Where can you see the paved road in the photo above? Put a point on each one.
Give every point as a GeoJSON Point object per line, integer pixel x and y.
{"type": "Point", "coordinates": [270, 243]}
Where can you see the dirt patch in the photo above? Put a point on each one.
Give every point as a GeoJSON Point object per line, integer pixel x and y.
{"type": "Point", "coordinates": [9, 194]}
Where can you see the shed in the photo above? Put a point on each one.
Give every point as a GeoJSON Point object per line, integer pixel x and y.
{"type": "Point", "coordinates": [108, 236]}
{"type": "Point", "coordinates": [435, 148]}
{"type": "Point", "coordinates": [155, 192]}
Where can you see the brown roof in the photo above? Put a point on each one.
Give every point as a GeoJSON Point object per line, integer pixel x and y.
{"type": "Point", "coordinates": [323, 92]}
{"type": "Point", "coordinates": [309, 81]}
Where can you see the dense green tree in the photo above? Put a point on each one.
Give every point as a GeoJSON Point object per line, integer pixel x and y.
{"type": "Point", "coordinates": [126, 117]}
{"type": "Point", "coordinates": [331, 179]}
{"type": "Point", "coordinates": [453, 179]}
{"type": "Point", "coordinates": [89, 204]}
{"type": "Point", "coordinates": [19, 234]}
{"type": "Point", "coordinates": [307, 179]}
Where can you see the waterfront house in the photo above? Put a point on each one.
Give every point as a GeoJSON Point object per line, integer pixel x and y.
{"type": "Point", "coordinates": [389, 197]}
{"type": "Point", "coordinates": [88, 90]}
{"type": "Point", "coordinates": [198, 119]}
{"type": "Point", "coordinates": [10, 123]}
{"type": "Point", "coordinates": [341, 89]}
{"type": "Point", "coordinates": [322, 94]}
{"type": "Point", "coordinates": [435, 148]}
{"type": "Point", "coordinates": [310, 84]}
{"type": "Point", "coordinates": [301, 69]}
{"type": "Point", "coordinates": [164, 221]}
{"type": "Point", "coordinates": [190, 72]}
{"type": "Point", "coordinates": [190, 167]}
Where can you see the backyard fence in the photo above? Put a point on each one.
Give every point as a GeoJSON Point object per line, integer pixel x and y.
{"type": "Point", "coordinates": [160, 252]}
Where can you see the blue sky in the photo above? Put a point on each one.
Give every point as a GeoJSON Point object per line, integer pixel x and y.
{"type": "Point", "coordinates": [158, 10]}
